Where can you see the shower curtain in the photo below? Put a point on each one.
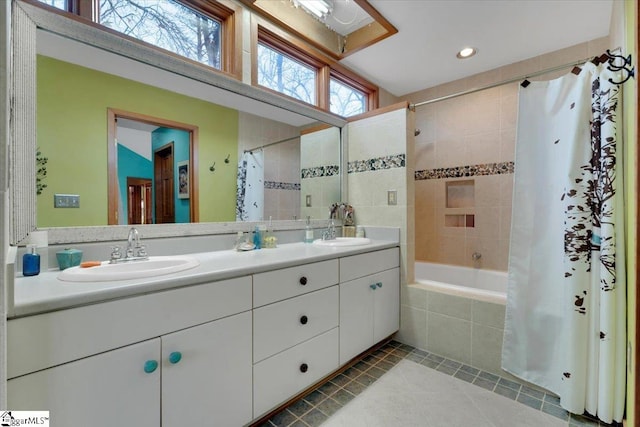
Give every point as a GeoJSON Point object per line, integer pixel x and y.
{"type": "Point", "coordinates": [566, 308]}
{"type": "Point", "coordinates": [250, 196]}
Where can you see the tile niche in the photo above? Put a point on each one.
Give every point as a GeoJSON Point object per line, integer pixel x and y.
{"type": "Point", "coordinates": [460, 204]}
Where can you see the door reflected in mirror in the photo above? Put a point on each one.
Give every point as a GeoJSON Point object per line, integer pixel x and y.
{"type": "Point", "coordinates": [150, 180]}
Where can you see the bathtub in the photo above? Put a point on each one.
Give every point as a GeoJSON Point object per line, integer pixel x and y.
{"type": "Point", "coordinates": [457, 312]}
{"type": "Point", "coordinates": [466, 282]}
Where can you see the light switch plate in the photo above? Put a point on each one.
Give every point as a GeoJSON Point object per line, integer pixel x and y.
{"type": "Point", "coordinates": [66, 201]}
{"type": "Point", "coordinates": [392, 197]}
{"type": "Point", "coordinates": [308, 200]}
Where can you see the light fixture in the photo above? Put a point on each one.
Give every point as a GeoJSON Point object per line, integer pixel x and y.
{"type": "Point", "coordinates": [466, 52]}
{"type": "Point", "coordinates": [318, 8]}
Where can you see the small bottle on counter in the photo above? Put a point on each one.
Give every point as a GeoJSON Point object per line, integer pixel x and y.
{"type": "Point", "coordinates": [31, 262]}
{"type": "Point", "coordinates": [270, 241]}
{"type": "Point", "coordinates": [257, 237]}
{"type": "Point", "coordinates": [308, 231]}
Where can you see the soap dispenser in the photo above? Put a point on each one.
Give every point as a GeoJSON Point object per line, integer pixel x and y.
{"type": "Point", "coordinates": [31, 262]}
{"type": "Point", "coordinates": [308, 231]}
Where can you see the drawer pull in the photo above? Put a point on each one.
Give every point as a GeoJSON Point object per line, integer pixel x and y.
{"type": "Point", "coordinates": [150, 366]}
{"type": "Point", "coordinates": [175, 357]}
{"type": "Point", "coordinates": [304, 368]}
{"type": "Point", "coordinates": [304, 320]}
{"type": "Point", "coordinates": [373, 286]}
{"type": "Point", "coordinates": [379, 284]}
{"type": "Point", "coordinates": [303, 280]}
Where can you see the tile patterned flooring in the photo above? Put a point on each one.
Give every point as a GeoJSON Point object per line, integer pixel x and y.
{"type": "Point", "coordinates": [318, 406]}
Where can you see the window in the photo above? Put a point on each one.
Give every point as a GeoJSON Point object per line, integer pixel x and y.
{"type": "Point", "coordinates": [204, 31]}
{"type": "Point", "coordinates": [59, 4]}
{"type": "Point", "coordinates": [284, 74]}
{"type": "Point", "coordinates": [345, 100]}
{"type": "Point", "coordinates": [288, 66]}
{"type": "Point", "coordinates": [166, 24]}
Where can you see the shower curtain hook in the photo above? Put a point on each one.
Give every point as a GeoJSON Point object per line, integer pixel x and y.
{"type": "Point", "coordinates": [626, 63]}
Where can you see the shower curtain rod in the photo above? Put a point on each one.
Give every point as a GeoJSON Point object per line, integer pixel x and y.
{"type": "Point", "coordinates": [412, 107]}
{"type": "Point", "coordinates": [271, 143]}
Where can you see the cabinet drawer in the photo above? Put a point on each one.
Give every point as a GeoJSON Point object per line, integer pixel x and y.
{"type": "Point", "coordinates": [280, 377]}
{"type": "Point", "coordinates": [277, 285]}
{"type": "Point", "coordinates": [50, 339]}
{"type": "Point", "coordinates": [361, 265]}
{"type": "Point", "coordinates": [284, 324]}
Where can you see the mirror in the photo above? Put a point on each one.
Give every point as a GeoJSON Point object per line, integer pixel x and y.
{"type": "Point", "coordinates": [234, 117]}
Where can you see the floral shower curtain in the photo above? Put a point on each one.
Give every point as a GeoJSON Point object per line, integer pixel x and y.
{"type": "Point", "coordinates": [250, 188]}
{"type": "Point", "coordinates": [566, 299]}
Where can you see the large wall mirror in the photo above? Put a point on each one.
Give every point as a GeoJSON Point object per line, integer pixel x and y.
{"type": "Point", "coordinates": [143, 137]}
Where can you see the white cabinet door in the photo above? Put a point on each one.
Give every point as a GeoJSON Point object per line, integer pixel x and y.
{"type": "Point", "coordinates": [356, 316]}
{"type": "Point", "coordinates": [386, 304]}
{"type": "Point", "coordinates": [369, 312]}
{"type": "Point", "coordinates": [97, 391]}
{"type": "Point", "coordinates": [207, 374]}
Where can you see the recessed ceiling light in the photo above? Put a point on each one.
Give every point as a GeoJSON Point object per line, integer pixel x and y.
{"type": "Point", "coordinates": [467, 52]}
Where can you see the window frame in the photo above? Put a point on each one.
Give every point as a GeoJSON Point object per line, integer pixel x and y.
{"type": "Point", "coordinates": [357, 84]}
{"type": "Point", "coordinates": [276, 43]}
{"type": "Point", "coordinates": [275, 38]}
{"type": "Point", "coordinates": [226, 12]}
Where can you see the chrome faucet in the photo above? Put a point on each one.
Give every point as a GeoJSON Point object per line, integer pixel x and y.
{"type": "Point", "coordinates": [330, 232]}
{"type": "Point", "coordinates": [134, 252]}
{"type": "Point", "coordinates": [133, 241]}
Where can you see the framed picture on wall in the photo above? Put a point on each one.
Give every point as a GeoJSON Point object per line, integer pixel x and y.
{"type": "Point", "coordinates": [183, 179]}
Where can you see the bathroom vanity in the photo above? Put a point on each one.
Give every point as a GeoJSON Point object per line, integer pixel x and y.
{"type": "Point", "coordinates": [220, 344]}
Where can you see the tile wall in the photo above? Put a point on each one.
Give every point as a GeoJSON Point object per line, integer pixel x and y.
{"type": "Point", "coordinates": [281, 163]}
{"type": "Point", "coordinates": [378, 147]}
{"type": "Point", "coordinates": [472, 137]}
{"type": "Point", "coordinates": [320, 167]}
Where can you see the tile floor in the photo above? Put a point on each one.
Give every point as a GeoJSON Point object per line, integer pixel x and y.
{"type": "Point", "coordinates": [403, 397]}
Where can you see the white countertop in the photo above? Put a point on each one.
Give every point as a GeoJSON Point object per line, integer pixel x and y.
{"type": "Point", "coordinates": [45, 292]}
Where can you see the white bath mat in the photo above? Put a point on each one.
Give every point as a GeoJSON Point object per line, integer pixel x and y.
{"type": "Point", "coordinates": [411, 394]}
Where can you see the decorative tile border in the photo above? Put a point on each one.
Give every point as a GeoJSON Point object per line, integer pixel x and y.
{"type": "Point", "coordinates": [379, 163]}
{"type": "Point", "coordinates": [320, 171]}
{"type": "Point", "coordinates": [464, 171]}
{"type": "Point", "coordinates": [320, 404]}
{"type": "Point", "coordinates": [273, 185]}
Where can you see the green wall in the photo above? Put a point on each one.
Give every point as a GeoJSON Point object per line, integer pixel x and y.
{"type": "Point", "coordinates": [72, 134]}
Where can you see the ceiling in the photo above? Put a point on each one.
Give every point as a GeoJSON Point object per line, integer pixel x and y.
{"type": "Point", "coordinates": [430, 33]}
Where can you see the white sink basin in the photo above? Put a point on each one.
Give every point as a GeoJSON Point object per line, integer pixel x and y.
{"type": "Point", "coordinates": [154, 266]}
{"type": "Point", "coordinates": [343, 241]}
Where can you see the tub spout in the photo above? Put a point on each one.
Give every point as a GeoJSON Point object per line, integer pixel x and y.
{"type": "Point", "coordinates": [476, 256]}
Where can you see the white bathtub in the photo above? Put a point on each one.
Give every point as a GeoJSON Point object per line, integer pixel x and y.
{"type": "Point", "coordinates": [473, 283]}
